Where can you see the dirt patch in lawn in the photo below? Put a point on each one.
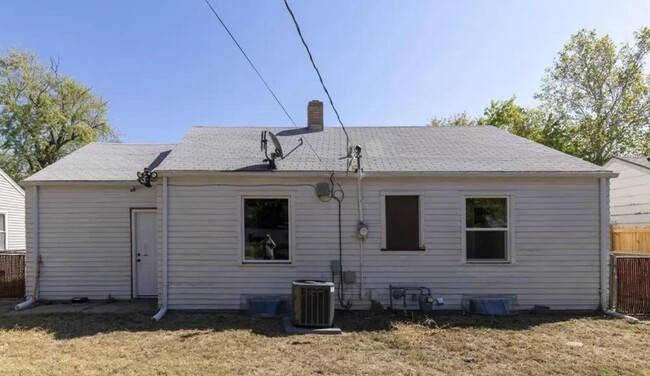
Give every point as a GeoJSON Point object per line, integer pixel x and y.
{"type": "Point", "coordinates": [384, 344]}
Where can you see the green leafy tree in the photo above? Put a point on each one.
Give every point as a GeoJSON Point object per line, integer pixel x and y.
{"type": "Point", "coordinates": [460, 119]}
{"type": "Point", "coordinates": [515, 119]}
{"type": "Point", "coordinates": [600, 96]}
{"type": "Point", "coordinates": [531, 123]}
{"type": "Point", "coordinates": [44, 115]}
{"type": "Point", "coordinates": [594, 101]}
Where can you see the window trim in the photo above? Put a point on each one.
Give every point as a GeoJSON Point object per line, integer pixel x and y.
{"type": "Point", "coordinates": [242, 232]}
{"type": "Point", "coordinates": [382, 196]}
{"type": "Point", "coordinates": [510, 230]}
{"type": "Point", "coordinates": [6, 231]}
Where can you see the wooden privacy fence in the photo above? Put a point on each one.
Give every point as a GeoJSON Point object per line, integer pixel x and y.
{"type": "Point", "coordinates": [631, 284]}
{"type": "Point", "coordinates": [12, 275]}
{"type": "Point", "coordinates": [631, 239]}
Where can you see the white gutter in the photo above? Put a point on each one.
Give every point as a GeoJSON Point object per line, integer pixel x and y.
{"type": "Point", "coordinates": [165, 284]}
{"type": "Point", "coordinates": [361, 239]}
{"type": "Point", "coordinates": [392, 174]}
{"type": "Point", "coordinates": [34, 298]}
{"type": "Point", "coordinates": [604, 243]}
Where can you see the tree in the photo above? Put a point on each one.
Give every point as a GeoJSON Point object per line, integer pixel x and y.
{"type": "Point", "coordinates": [460, 119]}
{"type": "Point", "coordinates": [600, 96]}
{"type": "Point", "coordinates": [44, 115]}
{"type": "Point", "coordinates": [505, 114]}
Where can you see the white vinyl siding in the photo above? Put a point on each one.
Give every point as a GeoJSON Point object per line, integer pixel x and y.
{"type": "Point", "coordinates": [629, 194]}
{"type": "Point", "coordinates": [556, 240]}
{"type": "Point", "coordinates": [85, 239]}
{"type": "Point", "coordinates": [12, 204]}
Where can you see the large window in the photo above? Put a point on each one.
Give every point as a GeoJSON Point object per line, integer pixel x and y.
{"type": "Point", "coordinates": [402, 223]}
{"type": "Point", "coordinates": [486, 229]}
{"type": "Point", "coordinates": [3, 231]}
{"type": "Point", "coordinates": [266, 230]}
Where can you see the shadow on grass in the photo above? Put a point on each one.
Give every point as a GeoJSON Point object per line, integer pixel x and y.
{"type": "Point", "coordinates": [75, 325]}
{"type": "Point", "coordinates": [385, 320]}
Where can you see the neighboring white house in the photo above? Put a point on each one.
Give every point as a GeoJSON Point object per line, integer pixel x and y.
{"type": "Point", "coordinates": [12, 215]}
{"type": "Point", "coordinates": [461, 210]}
{"type": "Point", "coordinates": [630, 191]}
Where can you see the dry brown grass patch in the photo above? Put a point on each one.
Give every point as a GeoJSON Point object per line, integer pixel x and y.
{"type": "Point", "coordinates": [189, 343]}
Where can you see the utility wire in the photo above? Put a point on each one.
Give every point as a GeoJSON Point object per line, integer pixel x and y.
{"type": "Point", "coordinates": [320, 77]}
{"type": "Point", "coordinates": [249, 61]}
{"type": "Point", "coordinates": [261, 78]}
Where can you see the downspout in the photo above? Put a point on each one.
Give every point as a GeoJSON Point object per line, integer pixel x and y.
{"type": "Point", "coordinates": [37, 256]}
{"type": "Point", "coordinates": [604, 243]}
{"type": "Point", "coordinates": [165, 209]}
{"type": "Point", "coordinates": [361, 238]}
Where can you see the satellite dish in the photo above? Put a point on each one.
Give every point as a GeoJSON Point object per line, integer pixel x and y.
{"type": "Point", "coordinates": [276, 144]}
{"type": "Point", "coordinates": [277, 153]}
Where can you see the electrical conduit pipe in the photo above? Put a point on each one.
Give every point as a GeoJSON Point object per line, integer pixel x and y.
{"type": "Point", "coordinates": [165, 210]}
{"type": "Point", "coordinates": [361, 239]}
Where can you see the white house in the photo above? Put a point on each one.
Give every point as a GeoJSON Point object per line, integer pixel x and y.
{"type": "Point", "coordinates": [461, 210]}
{"type": "Point", "coordinates": [630, 191]}
{"type": "Point", "coordinates": [12, 215]}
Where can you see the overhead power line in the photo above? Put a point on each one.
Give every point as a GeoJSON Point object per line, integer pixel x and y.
{"type": "Point", "coordinates": [260, 76]}
{"type": "Point", "coordinates": [250, 62]}
{"type": "Point", "coordinates": [320, 77]}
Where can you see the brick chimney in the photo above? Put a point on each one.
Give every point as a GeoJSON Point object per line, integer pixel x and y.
{"type": "Point", "coordinates": [315, 116]}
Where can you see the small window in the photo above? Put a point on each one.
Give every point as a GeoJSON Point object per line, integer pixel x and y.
{"type": "Point", "coordinates": [266, 230]}
{"type": "Point", "coordinates": [402, 223]}
{"type": "Point", "coordinates": [3, 231]}
{"type": "Point", "coordinates": [486, 229]}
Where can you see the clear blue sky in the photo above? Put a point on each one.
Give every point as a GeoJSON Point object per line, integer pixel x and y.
{"type": "Point", "coordinates": [167, 65]}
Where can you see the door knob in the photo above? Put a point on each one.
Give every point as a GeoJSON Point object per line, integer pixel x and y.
{"type": "Point", "coordinates": [138, 260]}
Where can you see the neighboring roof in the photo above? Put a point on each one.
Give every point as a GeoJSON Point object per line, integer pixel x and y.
{"type": "Point", "coordinates": [12, 182]}
{"type": "Point", "coordinates": [384, 149]}
{"type": "Point", "coordinates": [640, 161]}
{"type": "Point", "coordinates": [104, 162]}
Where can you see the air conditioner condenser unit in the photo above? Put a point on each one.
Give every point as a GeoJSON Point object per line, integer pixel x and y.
{"type": "Point", "coordinates": [313, 303]}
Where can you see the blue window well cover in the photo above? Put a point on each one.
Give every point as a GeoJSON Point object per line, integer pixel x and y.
{"type": "Point", "coordinates": [491, 306]}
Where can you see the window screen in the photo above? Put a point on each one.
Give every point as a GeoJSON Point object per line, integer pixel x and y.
{"type": "Point", "coordinates": [402, 223]}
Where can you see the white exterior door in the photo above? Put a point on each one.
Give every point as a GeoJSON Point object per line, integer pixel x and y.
{"type": "Point", "coordinates": [145, 249]}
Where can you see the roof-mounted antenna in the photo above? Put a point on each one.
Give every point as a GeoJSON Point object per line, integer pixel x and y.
{"type": "Point", "coordinates": [277, 148]}
{"type": "Point", "coordinates": [353, 159]}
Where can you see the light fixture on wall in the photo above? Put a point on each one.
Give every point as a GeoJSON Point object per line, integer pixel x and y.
{"type": "Point", "coordinates": [146, 177]}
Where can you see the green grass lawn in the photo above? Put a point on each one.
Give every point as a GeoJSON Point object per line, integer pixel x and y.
{"type": "Point", "coordinates": [373, 344]}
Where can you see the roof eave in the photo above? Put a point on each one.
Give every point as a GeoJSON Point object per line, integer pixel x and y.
{"type": "Point", "coordinates": [121, 183]}
{"type": "Point", "coordinates": [392, 174]}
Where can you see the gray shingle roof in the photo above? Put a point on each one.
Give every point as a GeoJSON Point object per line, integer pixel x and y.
{"type": "Point", "coordinates": [104, 162]}
{"type": "Point", "coordinates": [385, 149]}
{"type": "Point", "coordinates": [637, 160]}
